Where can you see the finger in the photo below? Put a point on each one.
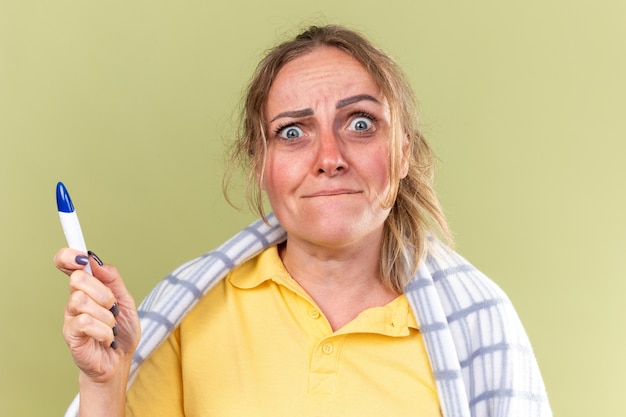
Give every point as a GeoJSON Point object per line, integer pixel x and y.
{"type": "Point", "coordinates": [93, 287]}
{"type": "Point", "coordinates": [110, 277]}
{"type": "Point", "coordinates": [76, 329]}
{"type": "Point", "coordinates": [127, 321]}
{"type": "Point", "coordinates": [81, 303]}
{"type": "Point", "coordinates": [69, 260]}
{"type": "Point", "coordinates": [108, 274]}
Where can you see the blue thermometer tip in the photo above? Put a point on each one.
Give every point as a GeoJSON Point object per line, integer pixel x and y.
{"type": "Point", "coordinates": [64, 202]}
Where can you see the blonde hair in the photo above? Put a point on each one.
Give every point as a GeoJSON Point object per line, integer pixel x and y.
{"type": "Point", "coordinates": [415, 211]}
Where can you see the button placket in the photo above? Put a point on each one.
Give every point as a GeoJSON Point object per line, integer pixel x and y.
{"type": "Point", "coordinates": [324, 365]}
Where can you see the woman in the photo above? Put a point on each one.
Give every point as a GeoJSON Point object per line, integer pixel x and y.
{"type": "Point", "coordinates": [345, 303]}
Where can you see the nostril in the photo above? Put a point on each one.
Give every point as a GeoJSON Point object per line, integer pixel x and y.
{"type": "Point", "coordinates": [339, 168]}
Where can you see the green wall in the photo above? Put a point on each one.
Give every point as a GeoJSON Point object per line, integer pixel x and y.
{"type": "Point", "coordinates": [131, 105]}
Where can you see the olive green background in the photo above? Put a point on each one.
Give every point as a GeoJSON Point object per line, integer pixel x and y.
{"type": "Point", "coordinates": [131, 104]}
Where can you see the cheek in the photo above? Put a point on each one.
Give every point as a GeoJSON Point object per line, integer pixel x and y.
{"type": "Point", "coordinates": [378, 169]}
{"type": "Point", "coordinates": [285, 169]}
{"type": "Point", "coordinates": [276, 176]}
{"type": "Point", "coordinates": [278, 191]}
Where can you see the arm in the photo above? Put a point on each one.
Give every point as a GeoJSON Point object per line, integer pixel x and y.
{"type": "Point", "coordinates": [103, 398]}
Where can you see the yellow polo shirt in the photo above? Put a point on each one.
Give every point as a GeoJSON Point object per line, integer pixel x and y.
{"type": "Point", "coordinates": [257, 345]}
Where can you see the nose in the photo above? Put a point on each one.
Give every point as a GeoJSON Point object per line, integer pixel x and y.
{"type": "Point", "coordinates": [331, 159]}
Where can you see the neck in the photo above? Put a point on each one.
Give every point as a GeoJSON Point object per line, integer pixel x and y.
{"type": "Point", "coordinates": [343, 282]}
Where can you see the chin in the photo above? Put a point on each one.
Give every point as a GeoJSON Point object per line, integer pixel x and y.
{"type": "Point", "coordinates": [335, 230]}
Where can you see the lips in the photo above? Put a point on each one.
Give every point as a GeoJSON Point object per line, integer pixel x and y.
{"type": "Point", "coordinates": [331, 193]}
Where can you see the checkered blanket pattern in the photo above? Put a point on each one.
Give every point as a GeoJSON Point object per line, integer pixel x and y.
{"type": "Point", "coordinates": [481, 358]}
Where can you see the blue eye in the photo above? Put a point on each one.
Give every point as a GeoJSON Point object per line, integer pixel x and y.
{"type": "Point", "coordinates": [361, 124]}
{"type": "Point", "coordinates": [290, 132]}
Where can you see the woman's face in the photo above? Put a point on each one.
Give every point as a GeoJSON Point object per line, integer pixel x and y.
{"type": "Point", "coordinates": [327, 164]}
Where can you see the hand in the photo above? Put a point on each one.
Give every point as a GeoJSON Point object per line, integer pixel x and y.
{"type": "Point", "coordinates": [89, 322]}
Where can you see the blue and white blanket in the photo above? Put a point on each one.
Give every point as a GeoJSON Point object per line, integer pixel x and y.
{"type": "Point", "coordinates": [481, 357]}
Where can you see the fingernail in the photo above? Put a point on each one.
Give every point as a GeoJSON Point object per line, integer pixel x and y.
{"type": "Point", "coordinates": [115, 310]}
{"type": "Point", "coordinates": [115, 330]}
{"type": "Point", "coordinates": [95, 258]}
{"type": "Point", "coordinates": [81, 260]}
{"type": "Point", "coordinates": [113, 344]}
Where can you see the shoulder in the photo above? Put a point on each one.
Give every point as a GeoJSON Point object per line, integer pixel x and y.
{"type": "Point", "coordinates": [238, 281]}
{"type": "Point", "coordinates": [460, 283]}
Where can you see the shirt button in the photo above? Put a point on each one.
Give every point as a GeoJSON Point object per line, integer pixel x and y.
{"type": "Point", "coordinates": [314, 314]}
{"type": "Point", "coordinates": [327, 348]}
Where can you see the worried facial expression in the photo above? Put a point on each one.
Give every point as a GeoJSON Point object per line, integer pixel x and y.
{"type": "Point", "coordinates": [327, 164]}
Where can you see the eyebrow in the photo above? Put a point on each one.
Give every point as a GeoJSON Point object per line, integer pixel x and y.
{"type": "Point", "coordinates": [340, 104]}
{"type": "Point", "coordinates": [351, 100]}
{"type": "Point", "coordinates": [294, 113]}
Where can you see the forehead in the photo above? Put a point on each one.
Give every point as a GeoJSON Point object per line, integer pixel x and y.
{"type": "Point", "coordinates": [326, 73]}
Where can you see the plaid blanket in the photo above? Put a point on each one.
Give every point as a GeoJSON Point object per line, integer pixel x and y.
{"type": "Point", "coordinates": [481, 358]}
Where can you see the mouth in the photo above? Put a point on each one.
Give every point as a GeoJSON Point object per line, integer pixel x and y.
{"type": "Point", "coordinates": [331, 193]}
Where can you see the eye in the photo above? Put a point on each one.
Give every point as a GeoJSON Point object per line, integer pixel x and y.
{"type": "Point", "coordinates": [361, 123]}
{"type": "Point", "coordinates": [289, 132]}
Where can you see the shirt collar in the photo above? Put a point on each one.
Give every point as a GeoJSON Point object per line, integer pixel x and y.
{"type": "Point", "coordinates": [393, 319]}
{"type": "Point", "coordinates": [266, 266]}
